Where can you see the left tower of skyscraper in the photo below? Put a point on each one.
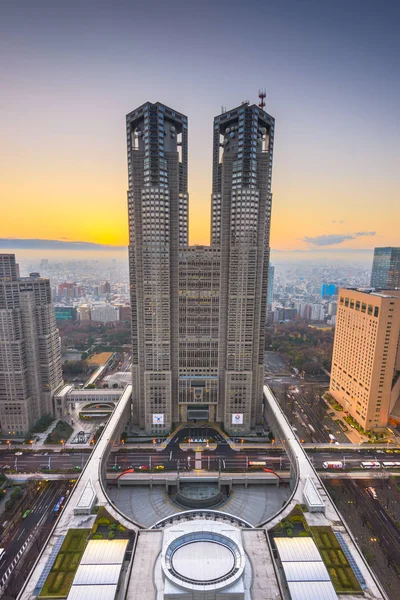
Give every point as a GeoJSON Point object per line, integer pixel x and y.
{"type": "Point", "coordinates": [30, 358]}
{"type": "Point", "coordinates": [158, 226]}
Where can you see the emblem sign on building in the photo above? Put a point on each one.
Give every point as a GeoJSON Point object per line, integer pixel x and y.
{"type": "Point", "coordinates": [237, 418]}
{"type": "Point", "coordinates": [158, 418]}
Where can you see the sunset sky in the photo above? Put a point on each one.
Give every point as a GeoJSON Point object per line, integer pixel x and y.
{"type": "Point", "coordinates": [70, 71]}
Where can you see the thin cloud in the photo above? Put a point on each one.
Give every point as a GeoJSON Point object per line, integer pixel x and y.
{"type": "Point", "coordinates": [35, 244]}
{"type": "Point", "coordinates": [333, 239]}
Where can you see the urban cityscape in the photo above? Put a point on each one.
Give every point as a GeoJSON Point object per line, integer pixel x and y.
{"type": "Point", "coordinates": [197, 409]}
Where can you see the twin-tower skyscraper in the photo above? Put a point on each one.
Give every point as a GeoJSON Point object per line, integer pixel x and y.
{"type": "Point", "coordinates": [198, 312]}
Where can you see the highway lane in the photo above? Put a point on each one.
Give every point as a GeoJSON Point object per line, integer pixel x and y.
{"type": "Point", "coordinates": [383, 526]}
{"type": "Point", "coordinates": [39, 520]}
{"type": "Point", "coordinates": [172, 453]}
{"type": "Point", "coordinates": [32, 463]}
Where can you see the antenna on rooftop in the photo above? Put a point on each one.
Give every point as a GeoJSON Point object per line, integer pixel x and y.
{"type": "Point", "coordinates": [262, 94]}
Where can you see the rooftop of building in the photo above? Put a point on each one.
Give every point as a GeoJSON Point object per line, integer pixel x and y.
{"type": "Point", "coordinates": [379, 292]}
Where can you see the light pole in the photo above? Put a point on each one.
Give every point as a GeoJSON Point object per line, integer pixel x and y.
{"type": "Point", "coordinates": [242, 442]}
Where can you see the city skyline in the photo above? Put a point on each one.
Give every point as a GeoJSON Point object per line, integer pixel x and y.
{"type": "Point", "coordinates": [324, 81]}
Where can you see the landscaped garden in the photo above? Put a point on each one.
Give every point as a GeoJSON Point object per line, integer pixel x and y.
{"type": "Point", "coordinates": [60, 578]}
{"type": "Point", "coordinates": [61, 432]}
{"type": "Point", "coordinates": [105, 527]}
{"type": "Point", "coordinates": [295, 525]}
{"type": "Point", "coordinates": [340, 572]}
{"type": "Point", "coordinates": [332, 401]}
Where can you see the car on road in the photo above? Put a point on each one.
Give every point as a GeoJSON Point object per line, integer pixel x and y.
{"type": "Point", "coordinates": [144, 468]}
{"type": "Point", "coordinates": [5, 467]}
{"type": "Point", "coordinates": [380, 452]}
{"type": "Point", "coordinates": [159, 468]}
{"type": "Point", "coordinates": [78, 468]}
{"type": "Point", "coordinates": [331, 414]}
{"type": "Point", "coordinates": [371, 491]}
{"type": "Point", "coordinates": [18, 454]}
{"type": "Point", "coordinates": [116, 467]}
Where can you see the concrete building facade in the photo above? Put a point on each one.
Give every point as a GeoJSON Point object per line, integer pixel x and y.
{"type": "Point", "coordinates": [30, 358]}
{"type": "Point", "coordinates": [365, 374]}
{"type": "Point", "coordinates": [198, 314]}
{"type": "Point", "coordinates": [104, 313]}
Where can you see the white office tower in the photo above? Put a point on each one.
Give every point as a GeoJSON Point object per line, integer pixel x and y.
{"type": "Point", "coordinates": [30, 359]}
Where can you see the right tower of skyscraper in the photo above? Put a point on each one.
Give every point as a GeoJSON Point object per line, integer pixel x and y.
{"type": "Point", "coordinates": [241, 216]}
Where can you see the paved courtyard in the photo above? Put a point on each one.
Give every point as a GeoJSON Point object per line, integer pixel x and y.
{"type": "Point", "coordinates": [146, 506]}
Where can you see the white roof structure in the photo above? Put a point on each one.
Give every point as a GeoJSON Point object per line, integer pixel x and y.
{"type": "Point", "coordinates": [104, 552]}
{"type": "Point", "coordinates": [297, 549]}
{"type": "Point", "coordinates": [203, 560]}
{"type": "Point", "coordinates": [97, 575]}
{"type": "Point", "coordinates": [312, 497]}
{"type": "Point", "coordinates": [96, 592]}
{"type": "Point", "coordinates": [99, 570]}
{"type": "Point", "coordinates": [305, 573]}
{"type": "Point", "coordinates": [316, 590]}
{"type": "Point", "coordinates": [86, 500]}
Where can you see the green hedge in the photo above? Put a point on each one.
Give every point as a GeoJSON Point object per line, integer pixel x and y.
{"type": "Point", "coordinates": [340, 572]}
{"type": "Point", "coordinates": [59, 580]}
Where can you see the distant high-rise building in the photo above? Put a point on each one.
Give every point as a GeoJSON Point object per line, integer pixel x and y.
{"type": "Point", "coordinates": [65, 313]}
{"type": "Point", "coordinates": [105, 288]}
{"type": "Point", "coordinates": [30, 359]}
{"type": "Point", "coordinates": [328, 290]}
{"type": "Point", "coordinates": [271, 276]}
{"type": "Point", "coordinates": [366, 356]}
{"type": "Point", "coordinates": [198, 313]}
{"type": "Point", "coordinates": [69, 290]}
{"type": "Point", "coordinates": [124, 313]}
{"type": "Point", "coordinates": [386, 269]}
{"type": "Point", "coordinates": [84, 312]}
{"type": "Point", "coordinates": [104, 313]}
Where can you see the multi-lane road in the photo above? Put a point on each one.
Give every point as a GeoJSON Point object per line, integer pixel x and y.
{"type": "Point", "coordinates": [382, 524]}
{"type": "Point", "coordinates": [223, 457]}
{"type": "Point", "coordinates": [23, 538]}
{"type": "Point", "coordinates": [40, 461]}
